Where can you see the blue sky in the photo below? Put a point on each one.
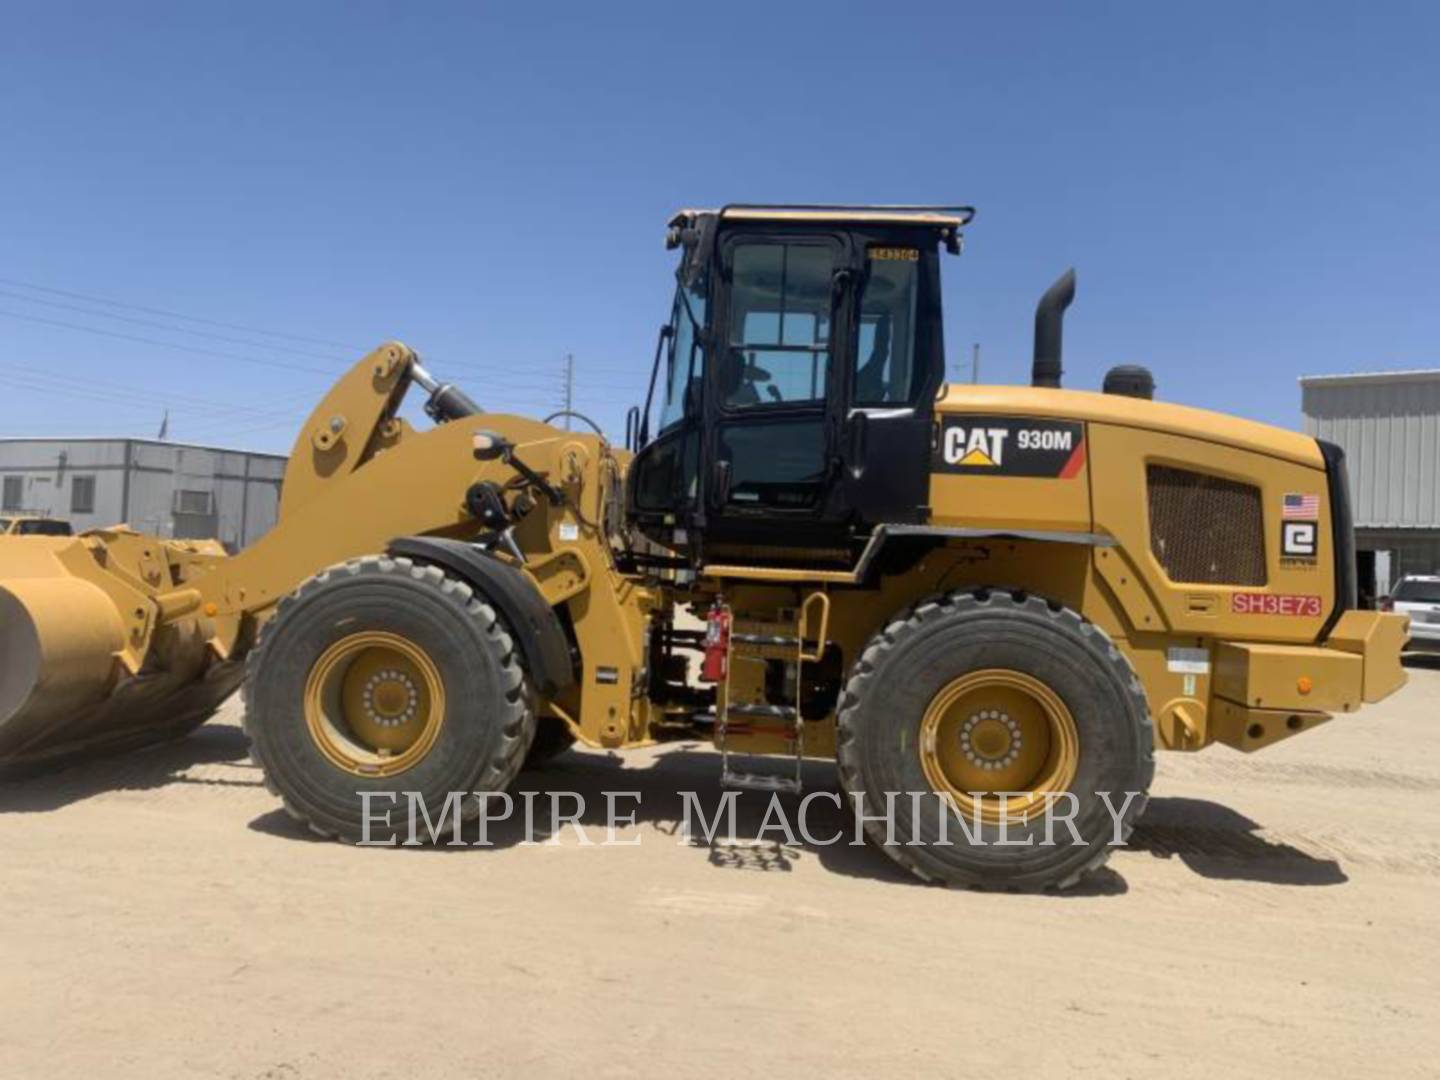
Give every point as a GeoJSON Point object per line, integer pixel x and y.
{"type": "Point", "coordinates": [1249, 192]}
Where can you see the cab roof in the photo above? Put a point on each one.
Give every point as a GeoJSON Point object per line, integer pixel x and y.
{"type": "Point", "coordinates": [692, 226]}
{"type": "Point", "coordinates": [953, 217]}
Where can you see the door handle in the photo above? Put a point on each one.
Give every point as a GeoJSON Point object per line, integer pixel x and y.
{"type": "Point", "coordinates": [722, 483]}
{"type": "Point", "coordinates": [858, 425]}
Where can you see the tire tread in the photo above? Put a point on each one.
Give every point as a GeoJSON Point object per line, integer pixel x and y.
{"type": "Point", "coordinates": [517, 727]}
{"type": "Point", "coordinates": [913, 621]}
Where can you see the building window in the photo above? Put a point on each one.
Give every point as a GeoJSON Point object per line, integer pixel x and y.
{"type": "Point", "coordinates": [14, 497]}
{"type": "Point", "coordinates": [82, 494]}
{"type": "Point", "coordinates": [192, 502]}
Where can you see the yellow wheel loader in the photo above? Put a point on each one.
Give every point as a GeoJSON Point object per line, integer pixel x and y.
{"type": "Point", "coordinates": [1000, 597]}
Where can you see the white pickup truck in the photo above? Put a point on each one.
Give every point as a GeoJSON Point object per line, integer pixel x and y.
{"type": "Point", "coordinates": [1418, 595]}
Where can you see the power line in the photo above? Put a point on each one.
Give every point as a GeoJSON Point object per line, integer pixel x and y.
{"type": "Point", "coordinates": [38, 378]}
{"type": "Point", "coordinates": [165, 326]}
{"type": "Point", "coordinates": [229, 418]}
{"type": "Point", "coordinates": [287, 365]}
{"type": "Point", "coordinates": [250, 429]}
{"type": "Point", "coordinates": [109, 396]}
{"type": "Point", "coordinates": [503, 378]}
{"type": "Point", "coordinates": [178, 315]}
{"type": "Point", "coordinates": [503, 385]}
{"type": "Point", "coordinates": [506, 376]}
{"type": "Point", "coordinates": [70, 393]}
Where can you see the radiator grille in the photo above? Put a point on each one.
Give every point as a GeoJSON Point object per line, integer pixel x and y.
{"type": "Point", "coordinates": [1205, 530]}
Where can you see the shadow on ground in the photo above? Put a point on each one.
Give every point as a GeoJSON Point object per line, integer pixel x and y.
{"type": "Point", "coordinates": [1210, 839]}
{"type": "Point", "coordinates": [661, 805]}
{"type": "Point", "coordinates": [1217, 842]}
{"type": "Point", "coordinates": [1428, 660]}
{"type": "Point", "coordinates": [139, 770]}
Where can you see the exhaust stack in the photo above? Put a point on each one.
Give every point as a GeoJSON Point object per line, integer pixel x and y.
{"type": "Point", "coordinates": [1049, 327]}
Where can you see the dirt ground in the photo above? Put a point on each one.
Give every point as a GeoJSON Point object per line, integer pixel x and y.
{"type": "Point", "coordinates": [1274, 916]}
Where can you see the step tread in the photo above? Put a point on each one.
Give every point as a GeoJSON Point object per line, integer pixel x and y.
{"type": "Point", "coordinates": [770, 712]}
{"type": "Point", "coordinates": [760, 782]}
{"type": "Point", "coordinates": [745, 638]}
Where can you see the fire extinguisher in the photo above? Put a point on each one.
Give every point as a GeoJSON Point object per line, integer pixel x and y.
{"type": "Point", "coordinates": [717, 644]}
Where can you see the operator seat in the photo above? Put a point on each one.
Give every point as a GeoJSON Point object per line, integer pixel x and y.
{"type": "Point", "coordinates": [738, 376]}
{"type": "Point", "coordinates": [870, 381]}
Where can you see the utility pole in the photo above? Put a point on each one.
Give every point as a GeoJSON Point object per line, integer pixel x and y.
{"type": "Point", "coordinates": [569, 387]}
{"type": "Point", "coordinates": [975, 363]}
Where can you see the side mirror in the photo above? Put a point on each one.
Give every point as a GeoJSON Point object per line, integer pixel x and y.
{"type": "Point", "coordinates": [491, 445]}
{"type": "Point", "coordinates": [643, 431]}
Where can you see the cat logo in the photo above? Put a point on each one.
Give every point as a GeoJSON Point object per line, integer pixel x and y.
{"type": "Point", "coordinates": [978, 457]}
{"type": "Point", "coordinates": [1009, 446]}
{"type": "Point", "coordinates": [983, 447]}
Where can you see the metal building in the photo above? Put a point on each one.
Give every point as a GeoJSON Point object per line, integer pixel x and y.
{"type": "Point", "coordinates": [164, 488]}
{"type": "Point", "coordinates": [1389, 426]}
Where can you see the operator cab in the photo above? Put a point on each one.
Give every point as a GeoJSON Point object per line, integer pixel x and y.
{"type": "Point", "coordinates": [792, 396]}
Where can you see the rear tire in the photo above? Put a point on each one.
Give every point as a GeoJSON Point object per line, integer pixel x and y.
{"type": "Point", "coordinates": [468, 704]}
{"type": "Point", "coordinates": [913, 718]}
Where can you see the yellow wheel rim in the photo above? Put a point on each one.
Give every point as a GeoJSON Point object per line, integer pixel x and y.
{"type": "Point", "coordinates": [997, 731]}
{"type": "Point", "coordinates": [374, 704]}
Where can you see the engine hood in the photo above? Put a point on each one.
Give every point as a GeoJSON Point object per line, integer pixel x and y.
{"type": "Point", "coordinates": [1091, 407]}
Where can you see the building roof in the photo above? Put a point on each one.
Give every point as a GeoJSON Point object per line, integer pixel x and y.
{"type": "Point", "coordinates": [5, 439]}
{"type": "Point", "coordinates": [1373, 377]}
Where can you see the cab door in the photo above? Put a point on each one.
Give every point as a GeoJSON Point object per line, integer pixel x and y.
{"type": "Point", "coordinates": [897, 367]}
{"type": "Point", "coordinates": [774, 385]}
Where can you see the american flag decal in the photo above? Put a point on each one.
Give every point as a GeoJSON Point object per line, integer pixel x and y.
{"type": "Point", "coordinates": [1301, 507]}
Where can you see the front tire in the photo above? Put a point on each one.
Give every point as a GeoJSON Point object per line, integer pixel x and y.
{"type": "Point", "coordinates": [552, 738]}
{"type": "Point", "coordinates": [976, 694]}
{"type": "Point", "coordinates": [385, 676]}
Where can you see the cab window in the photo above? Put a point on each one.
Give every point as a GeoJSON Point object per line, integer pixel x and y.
{"type": "Point", "coordinates": [1418, 591]}
{"type": "Point", "coordinates": [885, 353]}
{"type": "Point", "coordinates": [778, 345]}
{"type": "Point", "coordinates": [685, 366]}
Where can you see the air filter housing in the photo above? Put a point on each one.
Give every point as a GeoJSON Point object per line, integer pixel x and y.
{"type": "Point", "coordinates": [1130, 380]}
